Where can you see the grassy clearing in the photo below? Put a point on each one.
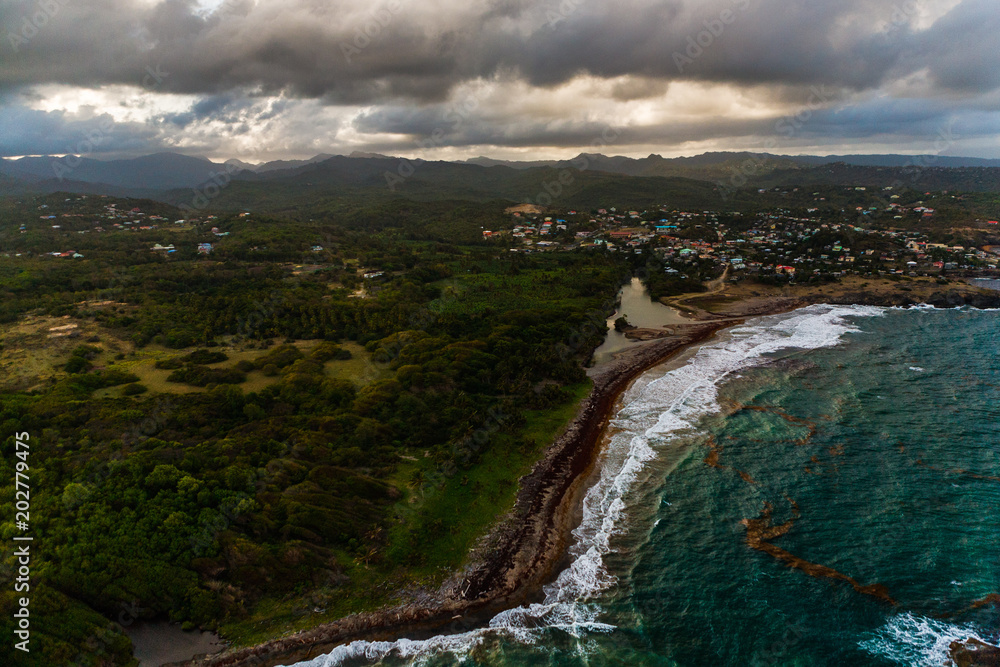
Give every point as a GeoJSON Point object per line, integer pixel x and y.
{"type": "Point", "coordinates": [359, 369]}
{"type": "Point", "coordinates": [34, 350]}
{"type": "Point", "coordinates": [451, 518]}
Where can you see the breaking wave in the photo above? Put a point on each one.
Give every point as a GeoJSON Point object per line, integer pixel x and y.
{"type": "Point", "coordinates": [654, 415]}
{"type": "Point", "coordinates": [916, 641]}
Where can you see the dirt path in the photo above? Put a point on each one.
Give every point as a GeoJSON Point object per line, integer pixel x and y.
{"type": "Point", "coordinates": [716, 286]}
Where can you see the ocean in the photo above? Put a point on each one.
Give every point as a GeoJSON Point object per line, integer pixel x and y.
{"type": "Point", "coordinates": [820, 487]}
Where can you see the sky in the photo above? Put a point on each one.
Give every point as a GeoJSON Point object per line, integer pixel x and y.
{"type": "Point", "coordinates": [261, 80]}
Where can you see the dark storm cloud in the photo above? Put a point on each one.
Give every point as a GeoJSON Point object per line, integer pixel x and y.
{"type": "Point", "coordinates": [404, 60]}
{"type": "Point", "coordinates": [226, 107]}
{"type": "Point", "coordinates": [962, 52]}
{"type": "Point", "coordinates": [346, 53]}
{"type": "Point", "coordinates": [26, 131]}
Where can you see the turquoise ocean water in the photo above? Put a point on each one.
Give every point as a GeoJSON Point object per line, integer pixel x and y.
{"type": "Point", "coordinates": [858, 444]}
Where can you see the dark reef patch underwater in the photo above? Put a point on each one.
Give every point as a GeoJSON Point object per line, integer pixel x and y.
{"type": "Point", "coordinates": [815, 488]}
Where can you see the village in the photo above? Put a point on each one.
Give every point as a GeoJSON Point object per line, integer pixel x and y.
{"type": "Point", "coordinates": [782, 244]}
{"type": "Point", "coordinates": [111, 218]}
{"type": "Point", "coordinates": [775, 243]}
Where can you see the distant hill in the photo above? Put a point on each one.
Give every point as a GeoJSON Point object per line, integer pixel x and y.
{"type": "Point", "coordinates": [323, 187]}
{"type": "Point", "coordinates": [714, 164]}
{"type": "Point", "coordinates": [303, 186]}
{"type": "Point", "coordinates": [897, 160]}
{"type": "Point", "coordinates": [280, 165]}
{"type": "Point", "coordinates": [484, 161]}
{"type": "Point", "coordinates": [12, 186]}
{"type": "Point", "coordinates": [707, 165]}
{"type": "Point", "coordinates": [973, 179]}
{"type": "Point", "coordinates": [160, 171]}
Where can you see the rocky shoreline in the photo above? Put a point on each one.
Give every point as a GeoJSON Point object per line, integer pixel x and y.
{"type": "Point", "coordinates": [974, 653]}
{"type": "Point", "coordinates": [515, 558]}
{"type": "Point", "coordinates": [523, 550]}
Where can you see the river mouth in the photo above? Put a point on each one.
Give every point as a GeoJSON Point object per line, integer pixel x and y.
{"type": "Point", "coordinates": [641, 311]}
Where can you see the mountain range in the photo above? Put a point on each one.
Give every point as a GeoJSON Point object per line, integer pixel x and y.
{"type": "Point", "coordinates": [179, 178]}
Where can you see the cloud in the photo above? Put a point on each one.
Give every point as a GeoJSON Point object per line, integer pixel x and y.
{"type": "Point", "coordinates": [552, 73]}
{"type": "Point", "coordinates": [353, 53]}
{"type": "Point", "coordinates": [960, 51]}
{"type": "Point", "coordinates": [25, 131]}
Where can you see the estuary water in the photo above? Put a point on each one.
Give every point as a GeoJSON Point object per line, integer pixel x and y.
{"type": "Point", "coordinates": [820, 487]}
{"type": "Point", "coordinates": [635, 304]}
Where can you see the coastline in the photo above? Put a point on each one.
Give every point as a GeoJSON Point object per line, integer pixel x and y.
{"type": "Point", "coordinates": [523, 550]}
{"type": "Point", "coordinates": [515, 558]}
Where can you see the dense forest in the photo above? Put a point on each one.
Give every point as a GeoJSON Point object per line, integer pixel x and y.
{"type": "Point", "coordinates": [276, 433]}
{"type": "Point", "coordinates": [258, 422]}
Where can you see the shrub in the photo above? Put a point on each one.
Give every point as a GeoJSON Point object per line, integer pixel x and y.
{"type": "Point", "coordinates": [284, 355]}
{"type": "Point", "coordinates": [106, 378]}
{"type": "Point", "coordinates": [201, 376]}
{"type": "Point", "coordinates": [86, 351]}
{"type": "Point", "coordinates": [77, 365]}
{"type": "Point", "coordinates": [327, 351]}
{"type": "Point", "coordinates": [205, 357]}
